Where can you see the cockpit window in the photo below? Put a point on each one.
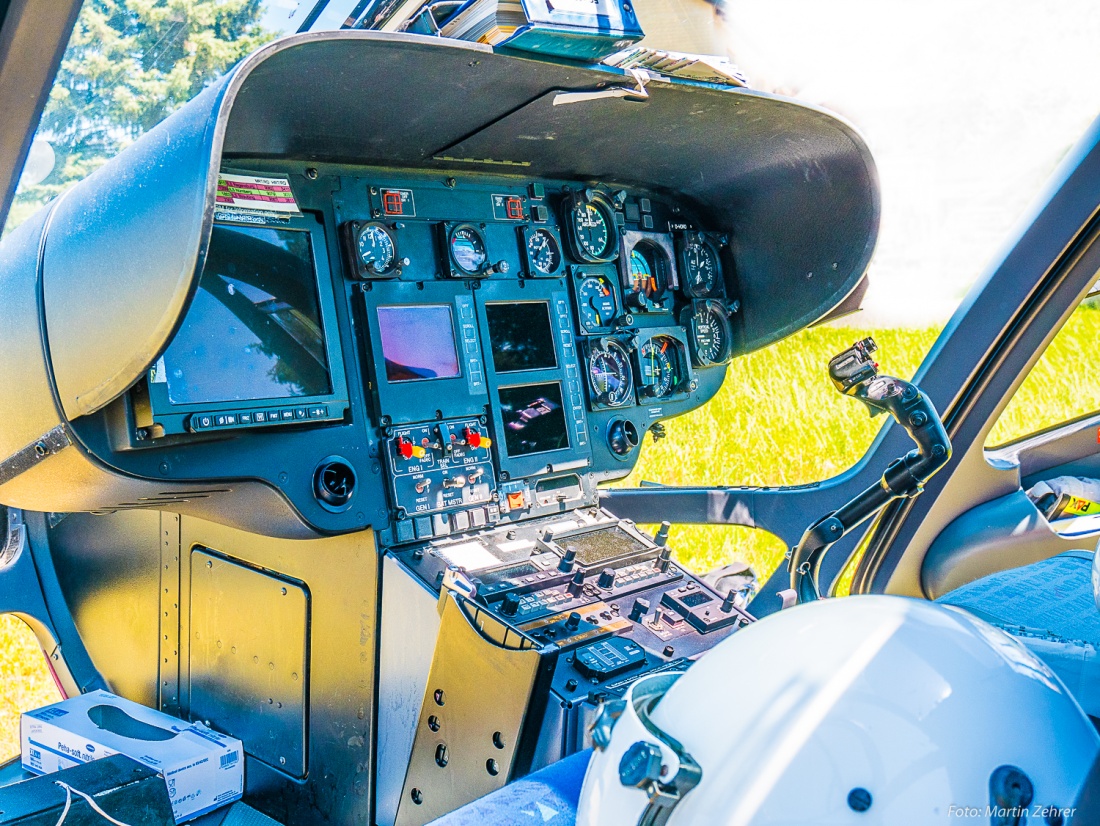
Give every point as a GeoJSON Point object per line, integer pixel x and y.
{"type": "Point", "coordinates": [129, 64]}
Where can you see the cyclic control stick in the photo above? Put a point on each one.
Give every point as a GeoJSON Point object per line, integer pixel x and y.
{"type": "Point", "coordinates": [855, 373]}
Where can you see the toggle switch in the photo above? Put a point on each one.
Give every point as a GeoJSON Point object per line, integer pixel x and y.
{"type": "Point", "coordinates": [454, 482]}
{"type": "Point", "coordinates": [407, 450]}
{"type": "Point", "coordinates": [424, 485]}
{"type": "Point", "coordinates": [475, 439]}
{"type": "Point", "coordinates": [639, 610]}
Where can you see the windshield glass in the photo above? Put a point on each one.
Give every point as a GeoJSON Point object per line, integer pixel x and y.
{"type": "Point", "coordinates": [129, 64]}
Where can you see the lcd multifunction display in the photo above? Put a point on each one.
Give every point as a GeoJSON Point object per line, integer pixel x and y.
{"type": "Point", "coordinates": [534, 418]}
{"type": "Point", "coordinates": [254, 329]}
{"type": "Point", "coordinates": [521, 336]}
{"type": "Point", "coordinates": [418, 342]}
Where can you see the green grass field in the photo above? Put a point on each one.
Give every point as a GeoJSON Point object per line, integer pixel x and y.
{"type": "Point", "coordinates": [776, 421]}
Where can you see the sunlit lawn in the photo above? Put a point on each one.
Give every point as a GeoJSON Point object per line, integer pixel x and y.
{"type": "Point", "coordinates": [777, 421]}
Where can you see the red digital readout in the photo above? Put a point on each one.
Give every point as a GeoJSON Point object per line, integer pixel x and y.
{"type": "Point", "coordinates": [391, 203]}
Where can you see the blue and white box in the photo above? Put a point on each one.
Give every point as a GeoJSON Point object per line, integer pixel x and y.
{"type": "Point", "coordinates": [203, 769]}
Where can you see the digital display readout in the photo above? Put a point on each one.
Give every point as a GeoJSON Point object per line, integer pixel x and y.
{"type": "Point", "coordinates": [253, 331]}
{"type": "Point", "coordinates": [521, 336]}
{"type": "Point", "coordinates": [534, 419]}
{"type": "Point", "coordinates": [418, 342]}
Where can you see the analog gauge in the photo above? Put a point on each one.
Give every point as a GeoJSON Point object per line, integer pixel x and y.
{"type": "Point", "coordinates": [647, 276]}
{"type": "Point", "coordinates": [701, 272]}
{"type": "Point", "coordinates": [609, 374]}
{"type": "Point", "coordinates": [710, 334]}
{"type": "Point", "coordinates": [659, 366]}
{"type": "Point", "coordinates": [376, 249]}
{"type": "Point", "coordinates": [543, 253]}
{"type": "Point", "coordinates": [591, 229]}
{"type": "Point", "coordinates": [596, 302]}
{"type": "Point", "coordinates": [467, 247]}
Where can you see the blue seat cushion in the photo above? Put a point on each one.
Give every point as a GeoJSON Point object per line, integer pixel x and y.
{"type": "Point", "coordinates": [547, 797]}
{"type": "Point", "coordinates": [1049, 606]}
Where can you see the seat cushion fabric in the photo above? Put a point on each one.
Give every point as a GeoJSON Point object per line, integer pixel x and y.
{"type": "Point", "coordinates": [1049, 606]}
{"type": "Point", "coordinates": [547, 797]}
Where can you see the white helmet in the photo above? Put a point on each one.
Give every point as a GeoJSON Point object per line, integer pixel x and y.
{"type": "Point", "coordinates": [862, 710]}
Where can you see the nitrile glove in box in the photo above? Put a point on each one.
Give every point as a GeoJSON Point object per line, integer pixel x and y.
{"type": "Point", "coordinates": [203, 769]}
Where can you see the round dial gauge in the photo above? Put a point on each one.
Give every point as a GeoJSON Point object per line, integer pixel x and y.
{"type": "Point", "coordinates": [660, 367]}
{"type": "Point", "coordinates": [609, 374]}
{"type": "Point", "coordinates": [711, 335]}
{"type": "Point", "coordinates": [596, 302]}
{"type": "Point", "coordinates": [376, 248]}
{"type": "Point", "coordinates": [647, 276]}
{"type": "Point", "coordinates": [543, 252]}
{"type": "Point", "coordinates": [468, 249]}
{"type": "Point", "coordinates": [591, 229]}
{"type": "Point", "coordinates": [701, 269]}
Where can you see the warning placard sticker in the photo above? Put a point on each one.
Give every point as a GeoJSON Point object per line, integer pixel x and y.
{"type": "Point", "coordinates": [255, 194]}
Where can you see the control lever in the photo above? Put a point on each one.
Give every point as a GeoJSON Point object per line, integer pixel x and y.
{"type": "Point", "coordinates": [855, 373]}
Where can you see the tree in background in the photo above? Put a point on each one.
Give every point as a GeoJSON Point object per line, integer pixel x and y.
{"type": "Point", "coordinates": [129, 64]}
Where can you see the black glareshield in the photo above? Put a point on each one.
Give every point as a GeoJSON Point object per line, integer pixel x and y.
{"type": "Point", "coordinates": [855, 373]}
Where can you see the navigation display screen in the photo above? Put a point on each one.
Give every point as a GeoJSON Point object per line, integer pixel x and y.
{"type": "Point", "coordinates": [534, 418]}
{"type": "Point", "coordinates": [418, 342]}
{"type": "Point", "coordinates": [254, 330]}
{"type": "Point", "coordinates": [521, 336]}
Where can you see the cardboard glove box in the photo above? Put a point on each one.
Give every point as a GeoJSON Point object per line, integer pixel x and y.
{"type": "Point", "coordinates": [202, 768]}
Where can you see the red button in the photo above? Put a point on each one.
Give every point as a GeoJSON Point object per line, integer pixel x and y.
{"type": "Point", "coordinates": [515, 501]}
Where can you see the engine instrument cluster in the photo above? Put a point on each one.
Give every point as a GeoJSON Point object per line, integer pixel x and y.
{"type": "Point", "coordinates": [576, 302]}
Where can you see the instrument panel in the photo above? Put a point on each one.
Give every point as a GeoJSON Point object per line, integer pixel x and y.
{"type": "Point", "coordinates": [512, 341]}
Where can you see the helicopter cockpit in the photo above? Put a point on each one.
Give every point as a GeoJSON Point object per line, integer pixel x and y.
{"type": "Point", "coordinates": [322, 378]}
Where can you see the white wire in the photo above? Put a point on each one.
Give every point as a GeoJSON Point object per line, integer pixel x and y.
{"type": "Point", "coordinates": [88, 799]}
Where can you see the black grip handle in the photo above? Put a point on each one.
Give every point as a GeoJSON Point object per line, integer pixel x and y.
{"type": "Point", "coordinates": [854, 373]}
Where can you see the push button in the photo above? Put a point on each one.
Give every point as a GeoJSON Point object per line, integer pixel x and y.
{"type": "Point", "coordinates": [404, 531]}
{"type": "Point", "coordinates": [516, 500]}
{"type": "Point", "coordinates": [423, 527]}
{"type": "Point", "coordinates": [441, 525]}
{"type": "Point", "coordinates": [462, 521]}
